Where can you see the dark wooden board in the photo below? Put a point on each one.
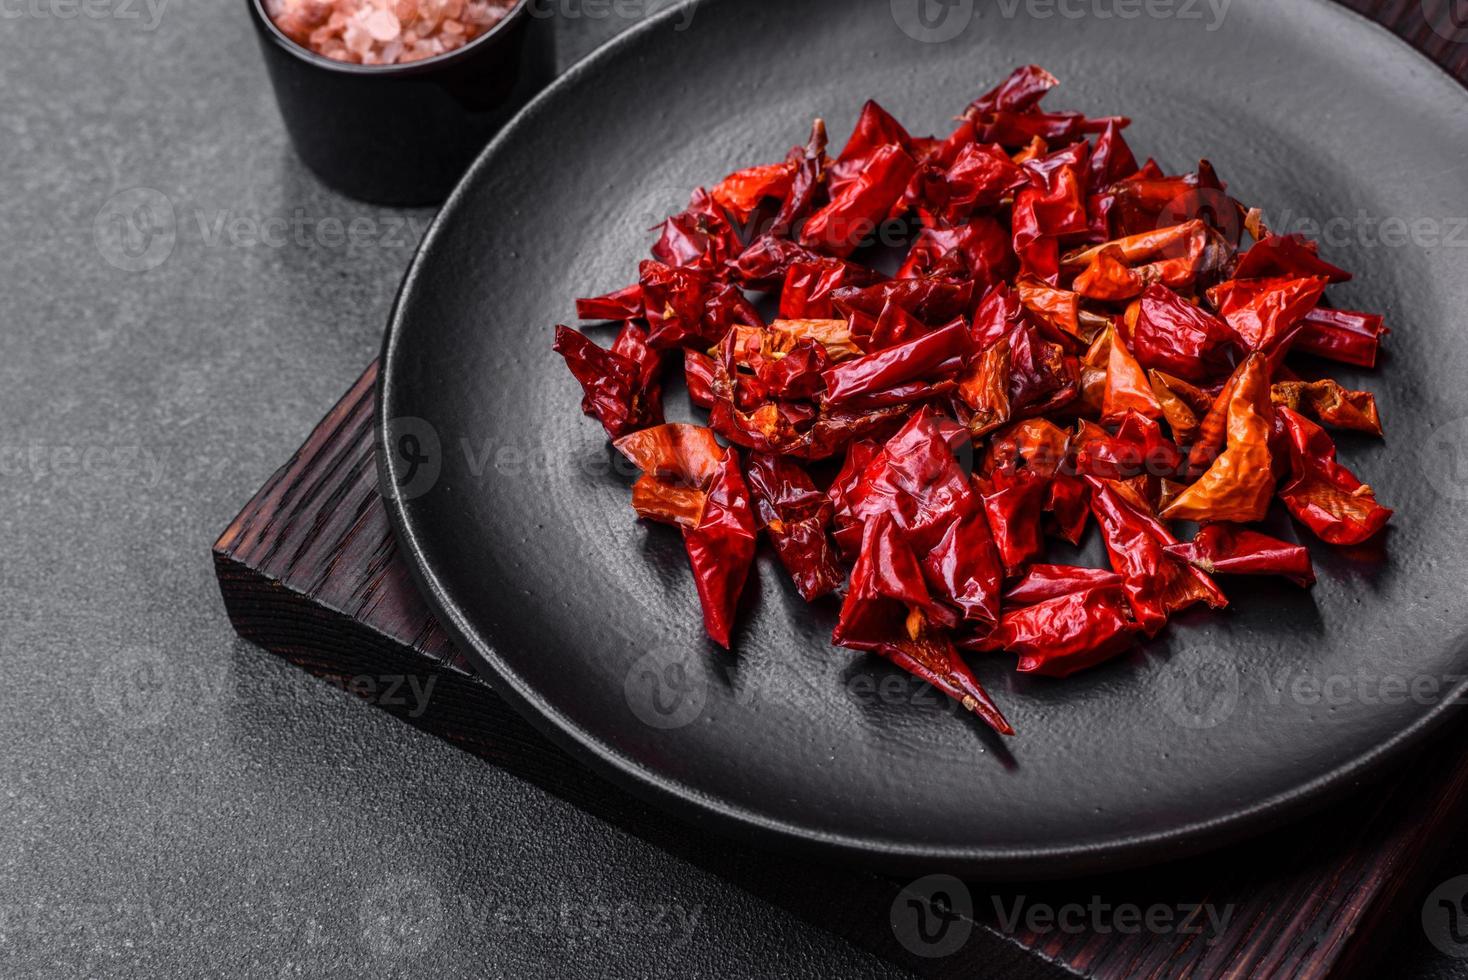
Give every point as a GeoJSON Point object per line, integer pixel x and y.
{"type": "Point", "coordinates": [309, 570]}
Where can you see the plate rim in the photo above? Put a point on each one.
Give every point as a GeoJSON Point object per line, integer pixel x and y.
{"type": "Point", "coordinates": [978, 862]}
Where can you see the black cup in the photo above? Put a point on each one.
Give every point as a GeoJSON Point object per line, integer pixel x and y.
{"type": "Point", "coordinates": [405, 134]}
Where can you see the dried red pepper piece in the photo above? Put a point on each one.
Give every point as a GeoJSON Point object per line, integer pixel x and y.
{"type": "Point", "coordinates": [1018, 128]}
{"type": "Point", "coordinates": [700, 236]}
{"type": "Point", "coordinates": [677, 461]}
{"type": "Point", "coordinates": [1128, 389]}
{"type": "Point", "coordinates": [1051, 206]}
{"type": "Point", "coordinates": [673, 302]}
{"type": "Point", "coordinates": [1062, 636]}
{"type": "Point", "coordinates": [893, 328]}
{"type": "Point", "coordinates": [1014, 503]}
{"type": "Point", "coordinates": [981, 176]}
{"type": "Point", "coordinates": [1172, 335]}
{"type": "Point", "coordinates": [807, 186]}
{"type": "Point", "coordinates": [796, 516]}
{"type": "Point", "coordinates": [698, 375]}
{"type": "Point", "coordinates": [932, 301]}
{"type": "Point", "coordinates": [1287, 257]}
{"type": "Point", "coordinates": [1035, 444]}
{"type": "Point", "coordinates": [1058, 313]}
{"type": "Point", "coordinates": [982, 398]}
{"type": "Point", "coordinates": [786, 428]}
{"type": "Point", "coordinates": [1022, 90]}
{"type": "Point", "coordinates": [1322, 494]}
{"type": "Point", "coordinates": [1150, 200]}
{"type": "Point", "coordinates": [833, 335]}
{"type": "Point", "coordinates": [1342, 335]}
{"type": "Point", "coordinates": [1046, 582]}
{"type": "Point", "coordinates": [1108, 278]}
{"type": "Point", "coordinates": [1329, 402]}
{"type": "Point", "coordinates": [1262, 311]}
{"type": "Point", "coordinates": [721, 548]}
{"type": "Point", "coordinates": [806, 294]}
{"type": "Point", "coordinates": [621, 387]}
{"type": "Point", "coordinates": [624, 304]}
{"type": "Point", "coordinates": [1239, 484]}
{"type": "Point", "coordinates": [1222, 549]}
{"type": "Point", "coordinates": [690, 481]}
{"type": "Point", "coordinates": [977, 251]}
{"type": "Point", "coordinates": [767, 261]}
{"type": "Point", "coordinates": [1000, 310]}
{"type": "Point", "coordinates": [935, 354]}
{"type": "Point", "coordinates": [1182, 405]}
{"type": "Point", "coordinates": [887, 610]}
{"type": "Point", "coordinates": [1157, 585]}
{"type": "Point", "coordinates": [743, 191]}
{"type": "Point", "coordinates": [964, 568]}
{"type": "Point", "coordinates": [1042, 377]}
{"type": "Point", "coordinates": [861, 205]}
{"type": "Point", "coordinates": [1138, 449]}
{"type": "Point", "coordinates": [1068, 502]}
{"type": "Point", "coordinates": [1112, 159]}
{"type": "Point", "coordinates": [916, 480]}
{"type": "Point", "coordinates": [846, 526]}
{"type": "Point", "coordinates": [725, 307]}
{"type": "Point", "coordinates": [876, 129]}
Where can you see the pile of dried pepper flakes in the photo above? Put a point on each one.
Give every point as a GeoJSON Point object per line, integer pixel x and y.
{"type": "Point", "coordinates": [1093, 334]}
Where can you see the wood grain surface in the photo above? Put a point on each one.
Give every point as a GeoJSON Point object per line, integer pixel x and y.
{"type": "Point", "coordinates": [310, 571]}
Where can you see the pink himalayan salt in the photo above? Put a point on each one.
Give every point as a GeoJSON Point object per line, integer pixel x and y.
{"type": "Point", "coordinates": [385, 32]}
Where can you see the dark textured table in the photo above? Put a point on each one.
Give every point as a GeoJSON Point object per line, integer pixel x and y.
{"type": "Point", "coordinates": [174, 802]}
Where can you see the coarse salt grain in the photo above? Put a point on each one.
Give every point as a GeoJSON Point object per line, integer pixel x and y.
{"type": "Point", "coordinates": [385, 32]}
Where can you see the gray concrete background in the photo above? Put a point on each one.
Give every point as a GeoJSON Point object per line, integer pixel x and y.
{"type": "Point", "coordinates": [173, 802]}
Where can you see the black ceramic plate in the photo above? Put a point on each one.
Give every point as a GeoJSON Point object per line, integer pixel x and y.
{"type": "Point", "coordinates": [507, 501]}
